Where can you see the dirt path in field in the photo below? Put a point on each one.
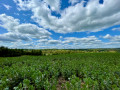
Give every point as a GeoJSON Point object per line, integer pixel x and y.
{"type": "Point", "coordinates": [61, 81]}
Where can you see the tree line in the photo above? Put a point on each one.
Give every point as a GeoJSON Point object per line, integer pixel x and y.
{"type": "Point", "coordinates": [7, 52]}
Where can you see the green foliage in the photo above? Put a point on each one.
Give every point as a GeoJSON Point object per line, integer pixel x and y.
{"type": "Point", "coordinates": [6, 52]}
{"type": "Point", "coordinates": [80, 71]}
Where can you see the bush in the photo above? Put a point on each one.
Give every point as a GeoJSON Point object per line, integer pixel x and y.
{"type": "Point", "coordinates": [6, 52]}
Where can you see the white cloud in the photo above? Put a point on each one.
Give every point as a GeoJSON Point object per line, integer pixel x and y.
{"type": "Point", "coordinates": [28, 4]}
{"type": "Point", "coordinates": [66, 43]}
{"type": "Point", "coordinates": [60, 37]}
{"type": "Point", "coordinates": [13, 26]}
{"type": "Point", "coordinates": [54, 4]}
{"type": "Point", "coordinates": [13, 37]}
{"type": "Point", "coordinates": [116, 29]}
{"type": "Point", "coordinates": [7, 6]}
{"type": "Point", "coordinates": [54, 42]}
{"type": "Point", "coordinates": [85, 40]}
{"type": "Point", "coordinates": [115, 38]}
{"type": "Point", "coordinates": [16, 14]}
{"type": "Point", "coordinates": [32, 30]}
{"type": "Point", "coordinates": [117, 44]}
{"type": "Point", "coordinates": [72, 42]}
{"type": "Point", "coordinates": [42, 41]}
{"type": "Point", "coordinates": [112, 44]}
{"type": "Point", "coordinates": [107, 36]}
{"type": "Point", "coordinates": [49, 41]}
{"type": "Point", "coordinates": [8, 22]}
{"type": "Point", "coordinates": [22, 45]}
{"type": "Point", "coordinates": [93, 17]}
{"type": "Point", "coordinates": [74, 1]}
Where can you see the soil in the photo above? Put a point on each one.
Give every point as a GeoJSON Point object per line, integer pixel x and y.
{"type": "Point", "coordinates": [61, 81]}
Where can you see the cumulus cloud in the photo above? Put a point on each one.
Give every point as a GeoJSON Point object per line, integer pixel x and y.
{"type": "Point", "coordinates": [72, 42]}
{"type": "Point", "coordinates": [60, 37]}
{"type": "Point", "coordinates": [107, 36]}
{"type": "Point", "coordinates": [68, 43]}
{"type": "Point", "coordinates": [115, 38]}
{"type": "Point", "coordinates": [54, 42]}
{"type": "Point", "coordinates": [22, 45]}
{"type": "Point", "coordinates": [77, 18]}
{"type": "Point", "coordinates": [49, 41]}
{"type": "Point", "coordinates": [13, 37]}
{"type": "Point", "coordinates": [13, 26]}
{"type": "Point", "coordinates": [54, 5]}
{"type": "Point", "coordinates": [85, 40]}
{"type": "Point", "coordinates": [74, 1]}
{"type": "Point", "coordinates": [32, 30]}
{"type": "Point", "coordinates": [118, 29]}
{"type": "Point", "coordinates": [8, 22]}
{"type": "Point", "coordinates": [7, 6]}
{"type": "Point", "coordinates": [42, 41]}
{"type": "Point", "coordinates": [113, 44]}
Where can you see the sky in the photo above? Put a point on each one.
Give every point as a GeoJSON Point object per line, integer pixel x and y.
{"type": "Point", "coordinates": [60, 24]}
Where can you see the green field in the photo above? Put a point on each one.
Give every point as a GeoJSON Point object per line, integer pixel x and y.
{"type": "Point", "coordinates": [76, 71]}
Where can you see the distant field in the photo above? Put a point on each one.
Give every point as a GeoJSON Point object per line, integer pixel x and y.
{"type": "Point", "coordinates": [85, 71]}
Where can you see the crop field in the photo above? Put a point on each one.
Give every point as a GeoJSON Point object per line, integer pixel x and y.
{"type": "Point", "coordinates": [76, 71]}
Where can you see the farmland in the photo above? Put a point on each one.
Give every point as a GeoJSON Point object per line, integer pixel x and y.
{"type": "Point", "coordinates": [73, 71]}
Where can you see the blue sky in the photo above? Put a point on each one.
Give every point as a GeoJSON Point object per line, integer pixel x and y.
{"type": "Point", "coordinates": [61, 24]}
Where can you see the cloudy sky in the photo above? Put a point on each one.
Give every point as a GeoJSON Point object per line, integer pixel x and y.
{"type": "Point", "coordinates": [61, 24]}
